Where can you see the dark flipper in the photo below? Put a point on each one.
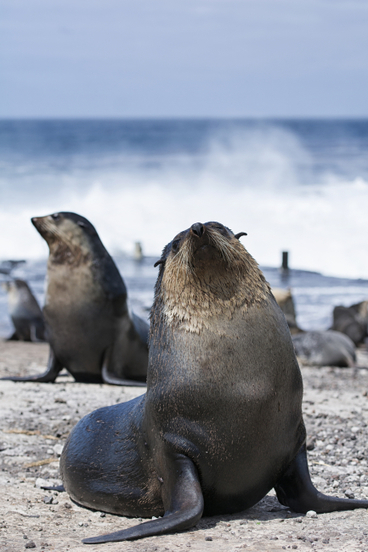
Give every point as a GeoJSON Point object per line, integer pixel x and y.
{"type": "Point", "coordinates": [108, 377]}
{"type": "Point", "coordinates": [183, 503]}
{"type": "Point", "coordinates": [13, 337]}
{"type": "Point", "coordinates": [52, 371]}
{"type": "Point", "coordinates": [37, 333]}
{"type": "Point", "coordinates": [296, 490]}
{"type": "Point", "coordinates": [58, 488]}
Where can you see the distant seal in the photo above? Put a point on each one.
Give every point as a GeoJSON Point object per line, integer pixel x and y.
{"type": "Point", "coordinates": [90, 330]}
{"type": "Point", "coordinates": [327, 348]}
{"type": "Point", "coordinates": [285, 301]}
{"type": "Point", "coordinates": [352, 321]}
{"type": "Point", "coordinates": [221, 422]}
{"type": "Point", "coordinates": [24, 311]}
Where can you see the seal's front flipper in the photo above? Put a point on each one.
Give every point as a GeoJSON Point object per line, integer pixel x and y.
{"type": "Point", "coordinates": [111, 378]}
{"type": "Point", "coordinates": [54, 366]}
{"type": "Point", "coordinates": [183, 503]}
{"type": "Point", "coordinates": [13, 337]}
{"type": "Point", "coordinates": [296, 490]}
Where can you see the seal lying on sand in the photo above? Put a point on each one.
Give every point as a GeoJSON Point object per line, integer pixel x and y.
{"type": "Point", "coordinates": [24, 311]}
{"type": "Point", "coordinates": [221, 422]}
{"type": "Point", "coordinates": [90, 330]}
{"type": "Point", "coordinates": [327, 348]}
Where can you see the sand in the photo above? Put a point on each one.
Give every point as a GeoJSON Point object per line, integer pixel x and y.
{"type": "Point", "coordinates": [36, 419]}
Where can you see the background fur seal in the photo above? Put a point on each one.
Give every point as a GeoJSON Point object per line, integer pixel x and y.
{"type": "Point", "coordinates": [221, 422]}
{"type": "Point", "coordinates": [352, 321]}
{"type": "Point", "coordinates": [327, 348]}
{"type": "Point", "coordinates": [24, 311]}
{"type": "Point", "coordinates": [90, 330]}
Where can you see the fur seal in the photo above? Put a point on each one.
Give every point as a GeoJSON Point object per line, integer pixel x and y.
{"type": "Point", "coordinates": [352, 321]}
{"type": "Point", "coordinates": [24, 311]}
{"type": "Point", "coordinates": [327, 348]}
{"type": "Point", "coordinates": [221, 421]}
{"type": "Point", "coordinates": [90, 330]}
{"type": "Point", "coordinates": [285, 301]}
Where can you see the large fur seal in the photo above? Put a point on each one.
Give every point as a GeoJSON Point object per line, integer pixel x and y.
{"type": "Point", "coordinates": [90, 330]}
{"type": "Point", "coordinates": [24, 311]}
{"type": "Point", "coordinates": [221, 422]}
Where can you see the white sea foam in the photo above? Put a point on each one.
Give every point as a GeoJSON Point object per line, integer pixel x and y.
{"type": "Point", "coordinates": [257, 183]}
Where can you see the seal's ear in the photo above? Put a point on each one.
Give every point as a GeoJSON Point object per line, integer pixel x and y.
{"type": "Point", "coordinates": [160, 261]}
{"type": "Point", "coordinates": [240, 235]}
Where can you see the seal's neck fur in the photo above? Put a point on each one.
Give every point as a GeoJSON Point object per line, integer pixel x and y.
{"type": "Point", "coordinates": [207, 278]}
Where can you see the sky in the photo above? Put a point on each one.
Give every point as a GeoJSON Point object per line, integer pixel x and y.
{"type": "Point", "coordinates": [187, 58]}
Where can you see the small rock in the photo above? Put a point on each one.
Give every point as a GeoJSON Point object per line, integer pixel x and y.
{"type": "Point", "coordinates": [349, 494]}
{"type": "Point", "coordinates": [311, 514]}
{"type": "Point", "coordinates": [30, 544]}
{"type": "Point", "coordinates": [58, 449]}
{"type": "Point", "coordinates": [40, 482]}
{"type": "Point", "coordinates": [208, 538]}
{"type": "Point", "coordinates": [48, 499]}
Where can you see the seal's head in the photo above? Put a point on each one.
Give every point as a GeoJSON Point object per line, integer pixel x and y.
{"type": "Point", "coordinates": [70, 237]}
{"type": "Point", "coordinates": [206, 272]}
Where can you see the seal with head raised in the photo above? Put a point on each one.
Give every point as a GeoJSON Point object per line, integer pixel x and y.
{"type": "Point", "coordinates": [221, 421]}
{"type": "Point", "coordinates": [89, 327]}
{"type": "Point", "coordinates": [24, 311]}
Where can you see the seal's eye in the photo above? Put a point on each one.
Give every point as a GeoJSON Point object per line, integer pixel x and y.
{"type": "Point", "coordinates": [81, 224]}
{"type": "Point", "coordinates": [55, 216]}
{"type": "Point", "coordinates": [175, 246]}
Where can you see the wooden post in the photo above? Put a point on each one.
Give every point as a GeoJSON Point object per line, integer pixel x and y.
{"type": "Point", "coordinates": [138, 252]}
{"type": "Point", "coordinates": [285, 261]}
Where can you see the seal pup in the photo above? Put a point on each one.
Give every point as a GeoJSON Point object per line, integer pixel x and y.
{"type": "Point", "coordinates": [221, 421]}
{"type": "Point", "coordinates": [24, 312]}
{"type": "Point", "coordinates": [327, 348]}
{"type": "Point", "coordinates": [89, 327]}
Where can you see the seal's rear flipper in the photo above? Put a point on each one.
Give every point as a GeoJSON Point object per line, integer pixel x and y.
{"type": "Point", "coordinates": [54, 366]}
{"type": "Point", "coordinates": [296, 490]}
{"type": "Point", "coordinates": [183, 502]}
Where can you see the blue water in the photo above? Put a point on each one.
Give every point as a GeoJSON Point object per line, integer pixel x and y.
{"type": "Point", "coordinates": [295, 185]}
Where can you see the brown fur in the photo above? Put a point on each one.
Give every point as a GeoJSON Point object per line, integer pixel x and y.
{"type": "Point", "coordinates": [237, 283]}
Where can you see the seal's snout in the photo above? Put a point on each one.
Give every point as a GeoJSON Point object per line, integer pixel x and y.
{"type": "Point", "coordinates": [197, 229]}
{"type": "Point", "coordinates": [34, 221]}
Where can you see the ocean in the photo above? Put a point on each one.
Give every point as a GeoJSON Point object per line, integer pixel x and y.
{"type": "Point", "coordinates": [293, 185]}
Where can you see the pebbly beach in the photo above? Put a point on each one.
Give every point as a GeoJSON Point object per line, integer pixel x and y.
{"type": "Point", "coordinates": [36, 419]}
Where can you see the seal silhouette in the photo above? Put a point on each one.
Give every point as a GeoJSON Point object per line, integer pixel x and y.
{"type": "Point", "coordinates": [24, 311]}
{"type": "Point", "coordinates": [89, 327]}
{"type": "Point", "coordinates": [221, 421]}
